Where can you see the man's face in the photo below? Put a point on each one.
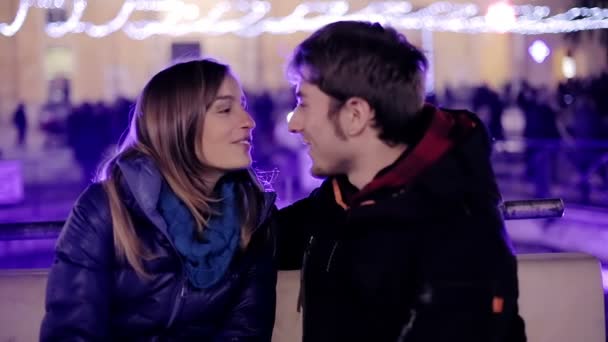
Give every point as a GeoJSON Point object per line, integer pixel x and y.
{"type": "Point", "coordinates": [327, 149]}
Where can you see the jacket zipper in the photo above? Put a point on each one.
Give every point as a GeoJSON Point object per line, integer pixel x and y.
{"type": "Point", "coordinates": [407, 328]}
{"type": "Point", "coordinates": [178, 302]}
{"type": "Point", "coordinates": [302, 272]}
{"type": "Point", "coordinates": [331, 257]}
{"type": "Point", "coordinates": [184, 283]}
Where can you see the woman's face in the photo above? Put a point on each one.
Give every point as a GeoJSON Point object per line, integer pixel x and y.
{"type": "Point", "coordinates": [227, 130]}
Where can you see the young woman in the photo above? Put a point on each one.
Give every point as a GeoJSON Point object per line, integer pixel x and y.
{"type": "Point", "coordinates": [172, 242]}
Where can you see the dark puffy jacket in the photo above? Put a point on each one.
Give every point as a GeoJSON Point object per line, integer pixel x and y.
{"type": "Point", "coordinates": [92, 296]}
{"type": "Point", "coordinates": [420, 254]}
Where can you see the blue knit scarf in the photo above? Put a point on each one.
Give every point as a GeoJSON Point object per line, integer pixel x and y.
{"type": "Point", "coordinates": [206, 260]}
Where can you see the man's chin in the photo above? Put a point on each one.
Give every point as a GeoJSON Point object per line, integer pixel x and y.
{"type": "Point", "coordinates": [318, 172]}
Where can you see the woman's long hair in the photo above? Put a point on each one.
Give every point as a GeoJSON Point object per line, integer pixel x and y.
{"type": "Point", "coordinates": [167, 127]}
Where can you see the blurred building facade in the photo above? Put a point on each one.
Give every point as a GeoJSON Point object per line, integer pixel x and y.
{"type": "Point", "coordinates": [101, 69]}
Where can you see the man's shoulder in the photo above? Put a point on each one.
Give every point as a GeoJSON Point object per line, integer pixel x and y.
{"type": "Point", "coordinates": [311, 204]}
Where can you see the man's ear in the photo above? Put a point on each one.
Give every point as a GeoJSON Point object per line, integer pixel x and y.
{"type": "Point", "coordinates": [358, 115]}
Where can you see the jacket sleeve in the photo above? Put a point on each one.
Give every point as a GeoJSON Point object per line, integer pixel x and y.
{"type": "Point", "coordinates": [468, 289]}
{"type": "Point", "coordinates": [252, 318]}
{"type": "Point", "coordinates": [293, 231]}
{"type": "Point", "coordinates": [77, 295]}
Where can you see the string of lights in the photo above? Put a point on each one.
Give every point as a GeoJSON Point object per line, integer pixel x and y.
{"type": "Point", "coordinates": [252, 18]}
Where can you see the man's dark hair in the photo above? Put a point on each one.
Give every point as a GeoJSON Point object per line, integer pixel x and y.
{"type": "Point", "coordinates": [361, 59]}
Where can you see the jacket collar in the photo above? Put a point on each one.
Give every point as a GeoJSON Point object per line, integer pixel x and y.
{"type": "Point", "coordinates": [142, 185]}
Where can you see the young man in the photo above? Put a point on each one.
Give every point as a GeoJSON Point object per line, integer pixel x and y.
{"type": "Point", "coordinates": [403, 241]}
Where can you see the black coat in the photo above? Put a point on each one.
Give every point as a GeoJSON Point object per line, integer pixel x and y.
{"type": "Point", "coordinates": [92, 296]}
{"type": "Point", "coordinates": [422, 260]}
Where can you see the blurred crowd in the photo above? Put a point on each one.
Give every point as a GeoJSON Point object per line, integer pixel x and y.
{"type": "Point", "coordinates": [576, 111]}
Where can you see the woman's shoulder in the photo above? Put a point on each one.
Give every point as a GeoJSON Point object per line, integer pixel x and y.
{"type": "Point", "coordinates": [94, 201]}
{"type": "Point", "coordinates": [87, 232]}
{"type": "Point", "coordinates": [91, 212]}
{"type": "Point", "coordinates": [94, 191]}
